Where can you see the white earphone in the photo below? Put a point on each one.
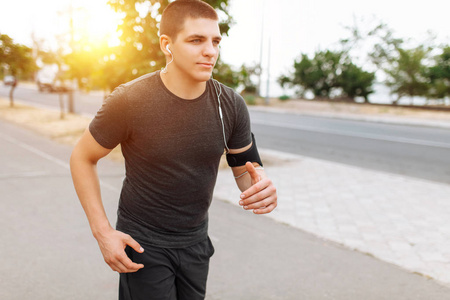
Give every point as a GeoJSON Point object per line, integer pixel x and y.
{"type": "Point", "coordinates": [164, 70]}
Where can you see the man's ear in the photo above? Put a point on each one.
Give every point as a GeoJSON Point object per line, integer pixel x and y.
{"type": "Point", "coordinates": [164, 41]}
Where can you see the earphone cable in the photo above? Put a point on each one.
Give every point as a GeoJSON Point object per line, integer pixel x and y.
{"type": "Point", "coordinates": [164, 70]}
{"type": "Point", "coordinates": [215, 82]}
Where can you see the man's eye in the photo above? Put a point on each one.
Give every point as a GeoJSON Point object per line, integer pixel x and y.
{"type": "Point", "coordinates": [196, 41]}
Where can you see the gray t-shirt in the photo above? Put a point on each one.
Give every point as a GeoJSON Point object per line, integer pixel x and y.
{"type": "Point", "coordinates": [172, 148]}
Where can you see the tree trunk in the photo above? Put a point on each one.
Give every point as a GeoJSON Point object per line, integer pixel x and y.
{"type": "Point", "coordinates": [366, 99]}
{"type": "Point", "coordinates": [70, 102]}
{"type": "Point", "coordinates": [61, 106]}
{"type": "Point", "coordinates": [11, 97]}
{"type": "Point", "coordinates": [395, 102]}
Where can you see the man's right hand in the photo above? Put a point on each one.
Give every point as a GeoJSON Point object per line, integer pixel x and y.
{"type": "Point", "coordinates": [83, 166]}
{"type": "Point", "coordinates": [112, 244]}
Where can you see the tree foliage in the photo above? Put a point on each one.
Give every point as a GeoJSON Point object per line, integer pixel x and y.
{"type": "Point", "coordinates": [408, 69]}
{"type": "Point", "coordinates": [318, 74]}
{"type": "Point", "coordinates": [404, 67]}
{"type": "Point", "coordinates": [439, 75]}
{"type": "Point", "coordinates": [246, 76]}
{"type": "Point", "coordinates": [16, 59]}
{"type": "Point", "coordinates": [329, 74]}
{"type": "Point", "coordinates": [225, 74]}
{"type": "Point", "coordinates": [407, 73]}
{"type": "Point", "coordinates": [355, 82]}
{"type": "Point", "coordinates": [82, 65]}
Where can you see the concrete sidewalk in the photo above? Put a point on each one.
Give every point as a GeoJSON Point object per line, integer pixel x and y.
{"type": "Point", "coordinates": [48, 251]}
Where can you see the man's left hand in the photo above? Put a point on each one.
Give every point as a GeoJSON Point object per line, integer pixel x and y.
{"type": "Point", "coordinates": [261, 197]}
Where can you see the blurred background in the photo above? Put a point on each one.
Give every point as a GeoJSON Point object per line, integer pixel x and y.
{"type": "Point", "coordinates": [393, 51]}
{"type": "Point", "coordinates": [352, 120]}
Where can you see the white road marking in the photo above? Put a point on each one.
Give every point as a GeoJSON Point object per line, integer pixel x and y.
{"type": "Point", "coordinates": [49, 157]}
{"type": "Point", "coordinates": [24, 175]}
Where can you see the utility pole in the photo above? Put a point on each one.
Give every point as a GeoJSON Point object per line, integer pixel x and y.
{"type": "Point", "coordinates": [268, 75]}
{"type": "Point", "coordinates": [258, 92]}
{"type": "Point", "coordinates": [70, 105]}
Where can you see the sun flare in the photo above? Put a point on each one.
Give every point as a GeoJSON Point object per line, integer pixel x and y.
{"type": "Point", "coordinates": [95, 24]}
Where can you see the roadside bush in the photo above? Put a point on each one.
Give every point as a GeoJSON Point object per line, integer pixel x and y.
{"type": "Point", "coordinates": [250, 99]}
{"type": "Point", "coordinates": [329, 75]}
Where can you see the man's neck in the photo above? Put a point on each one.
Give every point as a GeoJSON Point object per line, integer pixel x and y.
{"type": "Point", "coordinates": [183, 87]}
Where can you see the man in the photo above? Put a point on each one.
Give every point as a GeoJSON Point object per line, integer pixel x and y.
{"type": "Point", "coordinates": [173, 127]}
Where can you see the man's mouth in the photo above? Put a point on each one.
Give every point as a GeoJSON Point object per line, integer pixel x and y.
{"type": "Point", "coordinates": [206, 65]}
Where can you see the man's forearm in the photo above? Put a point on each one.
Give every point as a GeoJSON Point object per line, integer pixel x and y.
{"type": "Point", "coordinates": [87, 186]}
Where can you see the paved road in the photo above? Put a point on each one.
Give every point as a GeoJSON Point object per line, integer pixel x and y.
{"type": "Point", "coordinates": [48, 252]}
{"type": "Point", "coordinates": [417, 151]}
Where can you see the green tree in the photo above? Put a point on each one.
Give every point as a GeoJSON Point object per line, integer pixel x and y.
{"type": "Point", "coordinates": [17, 60]}
{"type": "Point", "coordinates": [356, 82]}
{"type": "Point", "coordinates": [379, 41]}
{"type": "Point", "coordinates": [439, 75]}
{"type": "Point", "coordinates": [321, 75]}
{"type": "Point", "coordinates": [407, 73]}
{"type": "Point", "coordinates": [246, 76]}
{"type": "Point", "coordinates": [328, 73]}
{"type": "Point", "coordinates": [225, 74]}
{"type": "Point", "coordinates": [82, 64]}
{"type": "Point", "coordinates": [318, 75]}
{"type": "Point", "coordinates": [406, 67]}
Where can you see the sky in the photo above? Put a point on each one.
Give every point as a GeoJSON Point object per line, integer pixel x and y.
{"type": "Point", "coordinates": [292, 26]}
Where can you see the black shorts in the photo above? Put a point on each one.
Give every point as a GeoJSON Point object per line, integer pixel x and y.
{"type": "Point", "coordinates": [168, 274]}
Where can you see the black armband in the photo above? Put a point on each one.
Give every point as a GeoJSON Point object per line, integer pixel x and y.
{"type": "Point", "coordinates": [251, 155]}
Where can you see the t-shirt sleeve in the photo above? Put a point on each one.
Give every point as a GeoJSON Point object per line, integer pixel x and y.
{"type": "Point", "coordinates": [109, 127]}
{"type": "Point", "coordinates": [241, 134]}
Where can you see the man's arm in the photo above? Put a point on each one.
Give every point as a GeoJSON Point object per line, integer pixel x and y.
{"type": "Point", "coordinates": [83, 166]}
{"type": "Point", "coordinates": [258, 192]}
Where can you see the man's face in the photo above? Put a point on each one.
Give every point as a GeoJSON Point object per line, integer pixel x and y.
{"type": "Point", "coordinates": [196, 49]}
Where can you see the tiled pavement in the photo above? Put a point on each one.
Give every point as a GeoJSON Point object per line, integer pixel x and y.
{"type": "Point", "coordinates": [400, 220]}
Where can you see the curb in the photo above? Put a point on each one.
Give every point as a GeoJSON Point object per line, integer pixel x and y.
{"type": "Point", "coordinates": [365, 118]}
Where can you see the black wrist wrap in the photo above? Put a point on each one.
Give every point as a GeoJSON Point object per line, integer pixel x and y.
{"type": "Point", "coordinates": [251, 155]}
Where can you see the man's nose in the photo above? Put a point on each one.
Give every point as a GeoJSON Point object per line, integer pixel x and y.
{"type": "Point", "coordinates": [210, 49]}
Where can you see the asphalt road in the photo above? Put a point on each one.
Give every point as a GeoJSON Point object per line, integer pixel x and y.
{"type": "Point", "coordinates": [421, 152]}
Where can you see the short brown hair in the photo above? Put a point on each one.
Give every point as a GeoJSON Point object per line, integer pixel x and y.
{"type": "Point", "coordinates": [175, 14]}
